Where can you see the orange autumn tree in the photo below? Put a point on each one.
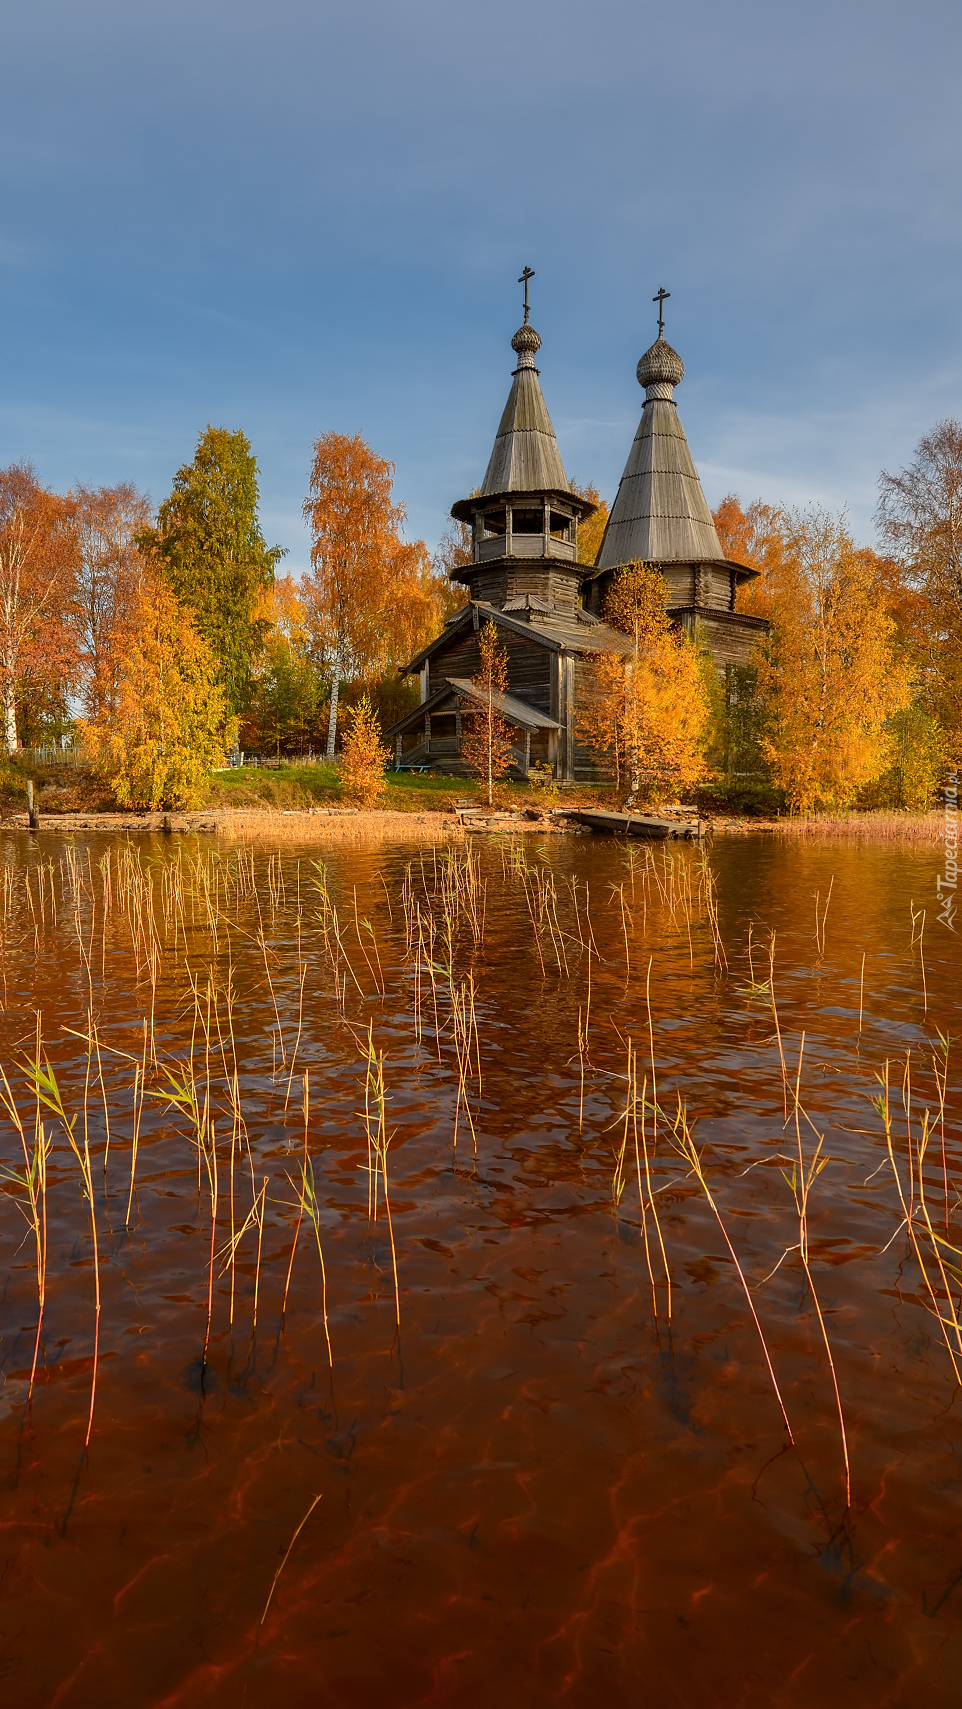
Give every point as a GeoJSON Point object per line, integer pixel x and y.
{"type": "Point", "coordinates": [644, 711]}
{"type": "Point", "coordinates": [485, 735]}
{"type": "Point", "coordinates": [832, 674]}
{"type": "Point", "coordinates": [171, 722]}
{"type": "Point", "coordinates": [592, 531]}
{"type": "Point", "coordinates": [420, 600]}
{"type": "Point", "coordinates": [38, 573]}
{"type": "Point", "coordinates": [372, 598]}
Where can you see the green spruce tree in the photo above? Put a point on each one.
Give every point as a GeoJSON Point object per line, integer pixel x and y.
{"type": "Point", "coordinates": [209, 548]}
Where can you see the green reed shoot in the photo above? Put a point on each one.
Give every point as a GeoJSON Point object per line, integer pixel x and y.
{"type": "Point", "coordinates": [374, 1116]}
{"type": "Point", "coordinates": [820, 919]}
{"type": "Point", "coordinates": [306, 1108]}
{"type": "Point", "coordinates": [941, 1071]}
{"type": "Point", "coordinates": [881, 1104]}
{"type": "Point", "coordinates": [308, 1201]}
{"type": "Point", "coordinates": [43, 1081]}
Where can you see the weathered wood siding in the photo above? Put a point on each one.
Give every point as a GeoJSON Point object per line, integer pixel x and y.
{"type": "Point", "coordinates": [529, 666]}
{"type": "Point", "coordinates": [489, 586]}
{"type": "Point", "coordinates": [495, 585]}
{"type": "Point", "coordinates": [731, 639]}
{"type": "Point", "coordinates": [680, 580]}
{"type": "Point", "coordinates": [714, 587]}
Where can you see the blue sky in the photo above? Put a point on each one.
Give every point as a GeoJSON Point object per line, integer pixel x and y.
{"type": "Point", "coordinates": [290, 217]}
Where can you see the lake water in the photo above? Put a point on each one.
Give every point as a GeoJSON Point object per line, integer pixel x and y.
{"type": "Point", "coordinates": [538, 1487]}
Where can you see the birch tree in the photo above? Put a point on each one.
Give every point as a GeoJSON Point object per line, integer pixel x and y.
{"type": "Point", "coordinates": [373, 598]}
{"type": "Point", "coordinates": [644, 710]}
{"type": "Point", "coordinates": [920, 513]}
{"type": "Point", "coordinates": [38, 564]}
{"type": "Point", "coordinates": [354, 524]}
{"type": "Point", "coordinates": [486, 734]}
{"type": "Point", "coordinates": [920, 518]}
{"type": "Point", "coordinates": [109, 572]}
{"type": "Point", "coordinates": [831, 674]}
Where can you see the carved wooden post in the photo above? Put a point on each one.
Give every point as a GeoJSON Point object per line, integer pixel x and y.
{"type": "Point", "coordinates": [32, 817]}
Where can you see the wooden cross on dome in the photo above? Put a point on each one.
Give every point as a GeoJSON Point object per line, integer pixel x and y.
{"type": "Point", "coordinates": [660, 297]}
{"type": "Point", "coordinates": [526, 275]}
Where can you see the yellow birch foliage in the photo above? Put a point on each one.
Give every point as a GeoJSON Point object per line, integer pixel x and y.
{"type": "Point", "coordinates": [592, 531]}
{"type": "Point", "coordinates": [363, 755]}
{"type": "Point", "coordinates": [831, 673]}
{"type": "Point", "coordinates": [485, 736]}
{"type": "Point", "coordinates": [170, 725]}
{"type": "Point", "coordinates": [645, 711]}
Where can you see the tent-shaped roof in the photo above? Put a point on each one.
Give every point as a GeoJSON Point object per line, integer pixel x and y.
{"type": "Point", "coordinates": [660, 514]}
{"type": "Point", "coordinates": [525, 458]}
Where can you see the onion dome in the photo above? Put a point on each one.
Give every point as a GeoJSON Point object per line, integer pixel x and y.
{"type": "Point", "coordinates": [660, 366]}
{"type": "Point", "coordinates": [526, 342]}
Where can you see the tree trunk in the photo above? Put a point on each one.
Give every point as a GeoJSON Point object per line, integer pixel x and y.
{"type": "Point", "coordinates": [9, 717]}
{"type": "Point", "coordinates": [335, 692]}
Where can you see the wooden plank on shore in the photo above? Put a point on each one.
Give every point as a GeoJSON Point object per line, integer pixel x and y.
{"type": "Point", "coordinates": [638, 824]}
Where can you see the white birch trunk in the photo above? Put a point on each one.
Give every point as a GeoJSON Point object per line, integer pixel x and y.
{"type": "Point", "coordinates": [9, 716]}
{"type": "Point", "coordinates": [335, 693]}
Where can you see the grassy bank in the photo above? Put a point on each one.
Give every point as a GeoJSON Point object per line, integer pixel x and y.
{"type": "Point", "coordinates": [272, 792]}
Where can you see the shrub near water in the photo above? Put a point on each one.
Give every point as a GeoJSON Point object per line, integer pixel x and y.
{"type": "Point", "coordinates": [364, 755]}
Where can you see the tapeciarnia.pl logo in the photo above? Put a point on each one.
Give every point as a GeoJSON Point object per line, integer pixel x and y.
{"type": "Point", "coordinates": [947, 882]}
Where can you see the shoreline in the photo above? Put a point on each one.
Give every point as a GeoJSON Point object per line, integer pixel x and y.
{"type": "Point", "coordinates": [322, 824]}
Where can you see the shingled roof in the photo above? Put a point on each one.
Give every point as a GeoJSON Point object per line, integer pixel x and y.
{"type": "Point", "coordinates": [525, 456]}
{"type": "Point", "coordinates": [660, 514]}
{"type": "Point", "coordinates": [574, 632]}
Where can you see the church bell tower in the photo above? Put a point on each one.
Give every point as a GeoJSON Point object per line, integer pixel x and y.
{"type": "Point", "coordinates": [524, 518]}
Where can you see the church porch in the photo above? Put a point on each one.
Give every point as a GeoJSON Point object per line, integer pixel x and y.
{"type": "Point", "coordinates": [431, 734]}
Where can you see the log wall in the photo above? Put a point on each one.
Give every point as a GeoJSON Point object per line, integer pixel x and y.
{"type": "Point", "coordinates": [529, 666]}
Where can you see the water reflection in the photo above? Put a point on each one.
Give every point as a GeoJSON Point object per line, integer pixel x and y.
{"type": "Point", "coordinates": [538, 1485]}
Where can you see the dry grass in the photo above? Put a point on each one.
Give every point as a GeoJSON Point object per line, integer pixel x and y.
{"type": "Point", "coordinates": [351, 828]}
{"type": "Point", "coordinates": [876, 827]}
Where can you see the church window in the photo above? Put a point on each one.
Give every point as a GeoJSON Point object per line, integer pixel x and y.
{"type": "Point", "coordinates": [527, 521]}
{"type": "Point", "coordinates": [493, 523]}
{"type": "Point", "coordinates": [560, 526]}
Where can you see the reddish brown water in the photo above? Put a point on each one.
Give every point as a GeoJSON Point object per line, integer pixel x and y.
{"type": "Point", "coordinates": [536, 1492]}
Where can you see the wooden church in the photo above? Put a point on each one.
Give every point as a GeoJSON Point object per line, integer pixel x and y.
{"type": "Point", "coordinates": [524, 573]}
